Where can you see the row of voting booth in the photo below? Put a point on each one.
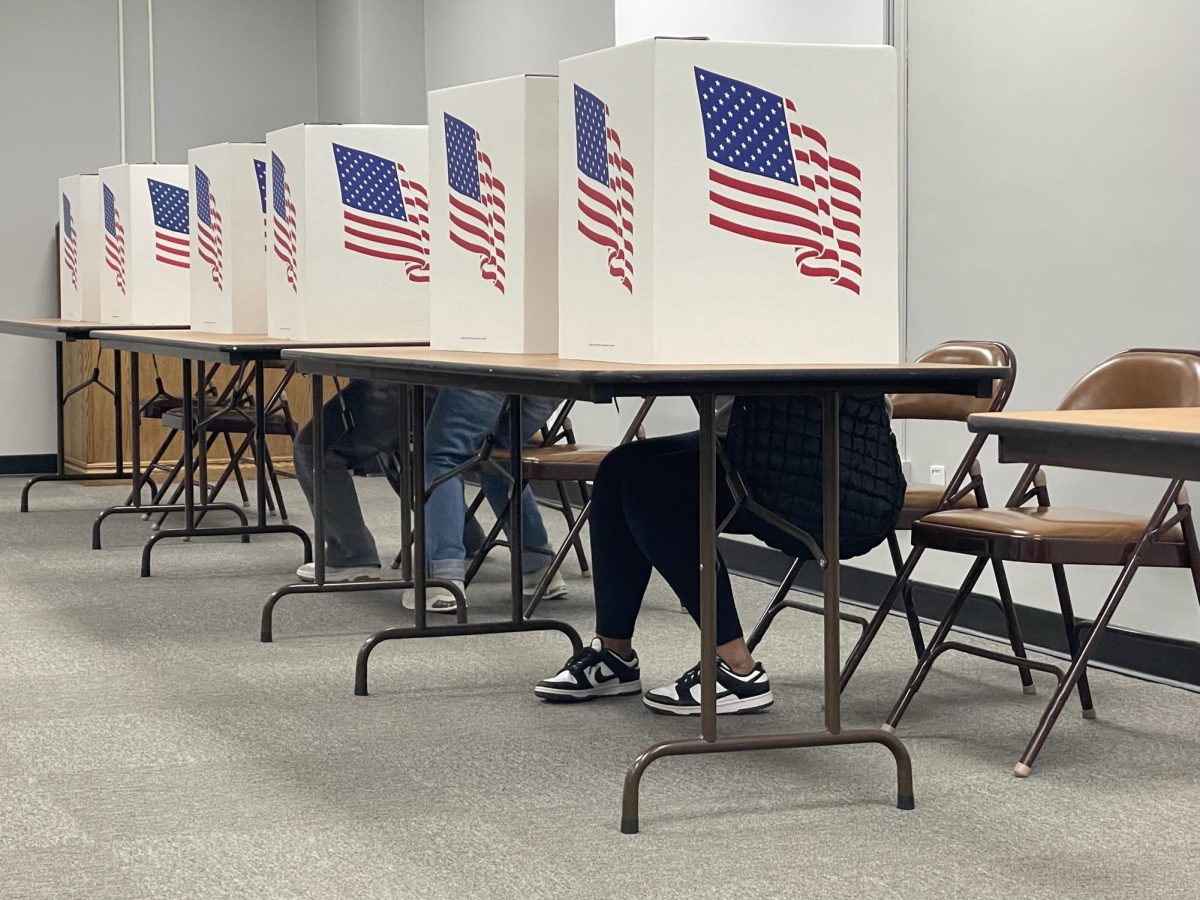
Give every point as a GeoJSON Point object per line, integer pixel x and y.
{"type": "Point", "coordinates": [669, 201]}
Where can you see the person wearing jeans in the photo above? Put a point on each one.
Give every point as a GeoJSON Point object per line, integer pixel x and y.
{"type": "Point", "coordinates": [364, 423]}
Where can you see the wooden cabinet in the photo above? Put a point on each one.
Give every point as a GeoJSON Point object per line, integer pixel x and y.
{"type": "Point", "coordinates": [88, 424]}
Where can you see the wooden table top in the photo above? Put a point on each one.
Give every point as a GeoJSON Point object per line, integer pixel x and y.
{"type": "Point", "coordinates": [595, 380]}
{"type": "Point", "coordinates": [66, 329]}
{"type": "Point", "coordinates": [1160, 442]}
{"type": "Point", "coordinates": [208, 345]}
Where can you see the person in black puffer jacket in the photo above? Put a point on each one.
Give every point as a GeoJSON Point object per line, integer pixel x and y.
{"type": "Point", "coordinates": [644, 511]}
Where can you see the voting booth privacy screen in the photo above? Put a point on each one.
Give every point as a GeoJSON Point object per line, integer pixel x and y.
{"type": "Point", "coordinates": [228, 185]}
{"type": "Point", "coordinates": [728, 202]}
{"type": "Point", "coordinates": [146, 246]}
{"type": "Point", "coordinates": [348, 223]}
{"type": "Point", "coordinates": [494, 215]}
{"type": "Point", "coordinates": [79, 245]}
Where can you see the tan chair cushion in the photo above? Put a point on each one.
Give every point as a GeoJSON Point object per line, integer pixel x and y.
{"type": "Point", "coordinates": [1056, 534]}
{"type": "Point", "coordinates": [558, 462]}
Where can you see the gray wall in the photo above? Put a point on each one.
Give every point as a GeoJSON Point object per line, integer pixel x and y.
{"type": "Point", "coordinates": [474, 40]}
{"type": "Point", "coordinates": [1053, 185]}
{"type": "Point", "coordinates": [58, 91]}
{"type": "Point", "coordinates": [225, 70]}
{"type": "Point", "coordinates": [371, 61]}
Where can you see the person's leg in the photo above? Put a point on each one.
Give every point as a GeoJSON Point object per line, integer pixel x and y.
{"type": "Point", "coordinates": [534, 413]}
{"type": "Point", "coordinates": [608, 667]}
{"type": "Point", "coordinates": [458, 423]}
{"type": "Point", "coordinates": [371, 413]}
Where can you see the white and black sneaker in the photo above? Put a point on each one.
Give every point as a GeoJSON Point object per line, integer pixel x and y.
{"type": "Point", "coordinates": [592, 672]}
{"type": "Point", "coordinates": [735, 693]}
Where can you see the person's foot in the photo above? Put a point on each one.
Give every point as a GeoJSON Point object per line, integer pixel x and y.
{"type": "Point", "coordinates": [437, 599]}
{"type": "Point", "coordinates": [735, 693]}
{"type": "Point", "coordinates": [592, 672]}
{"type": "Point", "coordinates": [555, 590]}
{"type": "Point", "coordinates": [339, 574]}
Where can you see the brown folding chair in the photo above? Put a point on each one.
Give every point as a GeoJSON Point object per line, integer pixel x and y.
{"type": "Point", "coordinates": [964, 489]}
{"type": "Point", "coordinates": [1059, 536]}
{"type": "Point", "coordinates": [560, 460]}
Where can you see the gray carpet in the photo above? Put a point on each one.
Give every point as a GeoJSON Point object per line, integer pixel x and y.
{"type": "Point", "coordinates": [151, 747]}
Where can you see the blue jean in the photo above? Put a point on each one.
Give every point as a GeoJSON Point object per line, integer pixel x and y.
{"type": "Point", "coordinates": [457, 426]}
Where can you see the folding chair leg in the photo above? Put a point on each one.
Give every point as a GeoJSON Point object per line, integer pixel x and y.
{"type": "Point", "coordinates": [1013, 626]}
{"type": "Point", "coordinates": [869, 633]}
{"type": "Point", "coordinates": [777, 604]}
{"type": "Point", "coordinates": [237, 472]}
{"type": "Point", "coordinates": [569, 515]}
{"type": "Point", "coordinates": [489, 543]}
{"type": "Point", "coordinates": [931, 651]}
{"type": "Point", "coordinates": [283, 516]}
{"type": "Point", "coordinates": [1068, 614]}
{"type": "Point", "coordinates": [906, 596]}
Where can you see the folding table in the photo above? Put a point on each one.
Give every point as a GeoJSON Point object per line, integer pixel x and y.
{"type": "Point", "coordinates": [1158, 442]}
{"type": "Point", "coordinates": [202, 348]}
{"type": "Point", "coordinates": [68, 331]}
{"type": "Point", "coordinates": [600, 382]}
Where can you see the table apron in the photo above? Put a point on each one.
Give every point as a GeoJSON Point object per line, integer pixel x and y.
{"type": "Point", "coordinates": [1124, 456]}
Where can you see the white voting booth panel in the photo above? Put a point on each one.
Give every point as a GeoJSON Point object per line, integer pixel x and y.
{"type": "Point", "coordinates": [494, 215]}
{"type": "Point", "coordinates": [228, 185]}
{"type": "Point", "coordinates": [79, 254]}
{"type": "Point", "coordinates": [728, 202]}
{"type": "Point", "coordinates": [348, 233]}
{"type": "Point", "coordinates": [146, 248]}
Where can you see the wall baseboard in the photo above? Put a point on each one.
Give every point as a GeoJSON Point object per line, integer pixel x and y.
{"type": "Point", "coordinates": [1147, 656]}
{"type": "Point", "coordinates": [28, 464]}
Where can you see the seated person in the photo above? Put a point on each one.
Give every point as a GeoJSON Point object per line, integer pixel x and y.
{"type": "Point", "coordinates": [457, 422]}
{"type": "Point", "coordinates": [645, 506]}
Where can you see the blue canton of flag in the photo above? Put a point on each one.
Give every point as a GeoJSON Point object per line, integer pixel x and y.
{"type": "Point", "coordinates": [462, 159]}
{"type": "Point", "coordinates": [170, 205]}
{"type": "Point", "coordinates": [591, 150]}
{"type": "Point", "coordinates": [203, 206]}
{"type": "Point", "coordinates": [369, 183]}
{"type": "Point", "coordinates": [68, 222]}
{"type": "Point", "coordinates": [260, 171]}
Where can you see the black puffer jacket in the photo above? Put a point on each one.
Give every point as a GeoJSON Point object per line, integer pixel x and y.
{"type": "Point", "coordinates": [774, 444]}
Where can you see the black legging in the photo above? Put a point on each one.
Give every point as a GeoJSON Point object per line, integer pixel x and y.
{"type": "Point", "coordinates": [645, 509]}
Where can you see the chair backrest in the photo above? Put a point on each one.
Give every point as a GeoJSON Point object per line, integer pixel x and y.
{"type": "Point", "coordinates": [955, 407]}
{"type": "Point", "coordinates": [1139, 379]}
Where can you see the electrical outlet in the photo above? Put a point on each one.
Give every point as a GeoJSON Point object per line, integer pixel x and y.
{"type": "Point", "coordinates": [937, 474]}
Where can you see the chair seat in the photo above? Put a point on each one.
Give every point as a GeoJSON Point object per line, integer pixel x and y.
{"type": "Point", "coordinates": [558, 462]}
{"type": "Point", "coordinates": [231, 421]}
{"type": "Point", "coordinates": [920, 499]}
{"type": "Point", "coordinates": [1049, 534]}
{"type": "Point", "coordinates": [158, 406]}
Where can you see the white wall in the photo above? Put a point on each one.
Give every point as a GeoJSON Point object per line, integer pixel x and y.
{"type": "Point", "coordinates": [1053, 188]}
{"type": "Point", "coordinates": [781, 21]}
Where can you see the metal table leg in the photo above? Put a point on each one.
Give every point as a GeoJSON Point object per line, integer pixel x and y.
{"type": "Point", "coordinates": [833, 735]}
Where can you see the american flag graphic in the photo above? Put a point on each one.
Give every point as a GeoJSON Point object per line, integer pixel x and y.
{"type": "Point", "coordinates": [773, 179]}
{"type": "Point", "coordinates": [285, 218]}
{"type": "Point", "coordinates": [208, 227]}
{"type": "Point", "coordinates": [476, 200]}
{"type": "Point", "coordinates": [385, 213]}
{"type": "Point", "coordinates": [114, 238]}
{"type": "Point", "coordinates": [260, 171]}
{"type": "Point", "coordinates": [171, 243]}
{"type": "Point", "coordinates": [70, 250]}
{"type": "Point", "coordinates": [605, 185]}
